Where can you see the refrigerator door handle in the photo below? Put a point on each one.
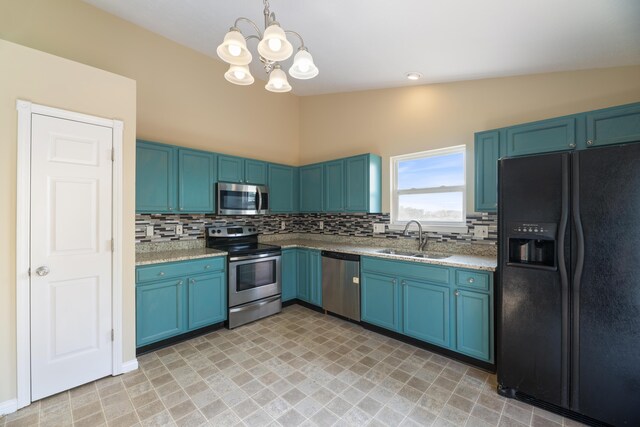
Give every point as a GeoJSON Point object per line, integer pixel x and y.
{"type": "Point", "coordinates": [575, 291]}
{"type": "Point", "coordinates": [564, 281]}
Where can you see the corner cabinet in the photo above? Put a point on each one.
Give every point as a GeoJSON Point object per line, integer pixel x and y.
{"type": "Point", "coordinates": [448, 307]}
{"type": "Point", "coordinates": [289, 274]}
{"type": "Point", "coordinates": [615, 125]}
{"type": "Point", "coordinates": [177, 297]}
{"type": "Point", "coordinates": [283, 189]}
{"type": "Point", "coordinates": [312, 188]}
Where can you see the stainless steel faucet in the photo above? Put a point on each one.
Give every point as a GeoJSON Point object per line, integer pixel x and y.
{"type": "Point", "coordinates": [421, 244]}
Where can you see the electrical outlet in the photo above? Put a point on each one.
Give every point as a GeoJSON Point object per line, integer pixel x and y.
{"type": "Point", "coordinates": [179, 230]}
{"type": "Point", "coordinates": [149, 231]}
{"type": "Point", "coordinates": [481, 231]}
{"type": "Point", "coordinates": [378, 228]}
{"type": "Point", "coordinates": [283, 225]}
{"type": "Point", "coordinates": [321, 225]}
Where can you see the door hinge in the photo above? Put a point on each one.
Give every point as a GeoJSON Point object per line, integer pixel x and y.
{"type": "Point", "coordinates": [113, 245]}
{"type": "Point", "coordinates": [29, 271]}
{"type": "Point", "coordinates": [113, 154]}
{"type": "Point", "coordinates": [112, 335]}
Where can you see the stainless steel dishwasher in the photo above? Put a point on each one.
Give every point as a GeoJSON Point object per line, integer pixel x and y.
{"type": "Point", "coordinates": [341, 284]}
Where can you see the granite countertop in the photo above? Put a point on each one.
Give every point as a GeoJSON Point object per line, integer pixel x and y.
{"type": "Point", "coordinates": [462, 261]}
{"type": "Point", "coordinates": [146, 258]}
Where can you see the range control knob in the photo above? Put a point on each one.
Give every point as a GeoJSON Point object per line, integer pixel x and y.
{"type": "Point", "coordinates": [218, 231]}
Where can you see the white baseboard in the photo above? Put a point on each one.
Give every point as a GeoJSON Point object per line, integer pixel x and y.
{"type": "Point", "coordinates": [8, 406]}
{"type": "Point", "coordinates": [129, 366]}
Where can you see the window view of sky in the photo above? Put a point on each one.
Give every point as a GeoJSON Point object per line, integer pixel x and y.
{"type": "Point", "coordinates": [432, 171]}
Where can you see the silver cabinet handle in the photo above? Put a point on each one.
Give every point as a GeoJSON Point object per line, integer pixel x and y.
{"type": "Point", "coordinates": [457, 293]}
{"type": "Point", "coordinates": [161, 273]}
{"type": "Point", "coordinates": [471, 280]}
{"type": "Point", "coordinates": [572, 145]}
{"type": "Point", "coordinates": [590, 142]}
{"type": "Point", "coordinates": [42, 271]}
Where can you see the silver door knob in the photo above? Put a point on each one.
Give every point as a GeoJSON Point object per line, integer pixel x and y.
{"type": "Point", "coordinates": [42, 271]}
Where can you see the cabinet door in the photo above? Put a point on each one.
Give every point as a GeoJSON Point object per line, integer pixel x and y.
{"type": "Point", "coordinates": [357, 184]}
{"type": "Point", "coordinates": [315, 277]}
{"type": "Point", "coordinates": [487, 152]}
{"type": "Point", "coordinates": [542, 137]}
{"type": "Point", "coordinates": [230, 169]}
{"type": "Point", "coordinates": [289, 274]}
{"type": "Point", "coordinates": [613, 126]}
{"type": "Point", "coordinates": [311, 188]}
{"type": "Point", "coordinates": [473, 324]}
{"type": "Point", "coordinates": [380, 301]}
{"type": "Point", "coordinates": [426, 311]}
{"type": "Point", "coordinates": [160, 309]}
{"type": "Point", "coordinates": [207, 300]}
{"type": "Point", "coordinates": [255, 172]}
{"type": "Point", "coordinates": [283, 189]}
{"type": "Point", "coordinates": [155, 177]}
{"type": "Point", "coordinates": [196, 179]}
{"type": "Point", "coordinates": [334, 185]}
{"type": "Point", "coordinates": [303, 288]}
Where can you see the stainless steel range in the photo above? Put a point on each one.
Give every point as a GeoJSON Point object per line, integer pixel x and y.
{"type": "Point", "coordinates": [254, 276]}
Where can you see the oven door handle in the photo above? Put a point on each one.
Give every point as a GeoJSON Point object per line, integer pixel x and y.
{"type": "Point", "coordinates": [254, 305]}
{"type": "Point", "coordinates": [252, 257]}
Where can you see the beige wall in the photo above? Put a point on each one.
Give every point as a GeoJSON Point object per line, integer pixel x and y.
{"type": "Point", "coordinates": [46, 79]}
{"type": "Point", "coordinates": [183, 97]}
{"type": "Point", "coordinates": [400, 121]}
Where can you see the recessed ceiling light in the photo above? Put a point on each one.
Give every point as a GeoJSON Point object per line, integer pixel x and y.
{"type": "Point", "coordinates": [414, 75]}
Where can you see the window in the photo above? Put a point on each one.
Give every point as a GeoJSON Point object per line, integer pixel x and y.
{"type": "Point", "coordinates": [429, 187]}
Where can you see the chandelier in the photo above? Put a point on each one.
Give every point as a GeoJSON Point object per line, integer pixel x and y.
{"type": "Point", "coordinates": [273, 47]}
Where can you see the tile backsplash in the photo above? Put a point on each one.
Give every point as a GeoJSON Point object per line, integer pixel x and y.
{"type": "Point", "coordinates": [357, 225]}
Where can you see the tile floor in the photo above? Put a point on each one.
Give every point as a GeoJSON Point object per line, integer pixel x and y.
{"type": "Point", "coordinates": [297, 368]}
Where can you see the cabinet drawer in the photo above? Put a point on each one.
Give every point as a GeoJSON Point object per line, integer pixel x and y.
{"type": "Point", "coordinates": [177, 269]}
{"type": "Point", "coordinates": [472, 279]}
{"type": "Point", "coordinates": [422, 271]}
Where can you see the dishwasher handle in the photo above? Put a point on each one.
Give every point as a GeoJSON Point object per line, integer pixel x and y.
{"type": "Point", "coordinates": [340, 255]}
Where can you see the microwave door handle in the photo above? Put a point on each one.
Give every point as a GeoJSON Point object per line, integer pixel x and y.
{"type": "Point", "coordinates": [259, 199]}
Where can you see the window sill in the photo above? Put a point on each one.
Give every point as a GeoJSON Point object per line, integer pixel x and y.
{"type": "Point", "coordinates": [445, 228]}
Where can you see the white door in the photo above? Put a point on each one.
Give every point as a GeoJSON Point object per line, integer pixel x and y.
{"type": "Point", "coordinates": [71, 287]}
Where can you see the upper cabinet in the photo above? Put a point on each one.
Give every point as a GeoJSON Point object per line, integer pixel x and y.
{"type": "Point", "coordinates": [614, 125]}
{"type": "Point", "coordinates": [311, 188]}
{"type": "Point", "coordinates": [363, 183]}
{"type": "Point", "coordinates": [156, 176]}
{"type": "Point", "coordinates": [334, 186]}
{"type": "Point", "coordinates": [237, 169]}
{"type": "Point", "coordinates": [283, 189]}
{"type": "Point", "coordinates": [196, 181]}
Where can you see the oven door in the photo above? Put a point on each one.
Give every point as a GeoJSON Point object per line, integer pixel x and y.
{"type": "Point", "coordinates": [242, 199]}
{"type": "Point", "coordinates": [253, 277]}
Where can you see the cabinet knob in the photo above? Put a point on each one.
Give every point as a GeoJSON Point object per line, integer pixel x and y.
{"type": "Point", "coordinates": [471, 280]}
{"type": "Point", "coordinates": [170, 208]}
{"type": "Point", "coordinates": [394, 281]}
{"type": "Point", "coordinates": [457, 293]}
{"type": "Point", "coordinates": [161, 273]}
{"type": "Point", "coordinates": [572, 145]}
{"type": "Point", "coordinates": [192, 281]}
{"type": "Point", "coordinates": [495, 205]}
{"type": "Point", "coordinates": [590, 142]}
{"type": "Point", "coordinates": [404, 282]}
{"type": "Point", "coordinates": [207, 266]}
{"type": "Point", "coordinates": [179, 282]}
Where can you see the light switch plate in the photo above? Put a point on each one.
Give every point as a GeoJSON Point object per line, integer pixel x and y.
{"type": "Point", "coordinates": [179, 230]}
{"type": "Point", "coordinates": [149, 231]}
{"type": "Point", "coordinates": [481, 231]}
{"type": "Point", "coordinates": [356, 280]}
{"type": "Point", "coordinates": [378, 228]}
{"type": "Point", "coordinates": [283, 225]}
{"type": "Point", "coordinates": [321, 225]}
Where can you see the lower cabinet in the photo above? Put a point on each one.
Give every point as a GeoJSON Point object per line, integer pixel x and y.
{"type": "Point", "coordinates": [448, 307]}
{"type": "Point", "coordinates": [309, 287]}
{"type": "Point", "coordinates": [289, 267]}
{"type": "Point", "coordinates": [191, 295]}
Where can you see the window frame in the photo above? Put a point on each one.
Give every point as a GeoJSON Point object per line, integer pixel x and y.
{"type": "Point", "coordinates": [451, 226]}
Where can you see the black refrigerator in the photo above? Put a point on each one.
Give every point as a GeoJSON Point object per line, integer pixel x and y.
{"type": "Point", "coordinates": [569, 282]}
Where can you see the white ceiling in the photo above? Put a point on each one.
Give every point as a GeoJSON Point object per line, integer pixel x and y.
{"type": "Point", "coordinates": [370, 44]}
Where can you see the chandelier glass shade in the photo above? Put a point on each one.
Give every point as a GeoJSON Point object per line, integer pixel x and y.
{"type": "Point", "coordinates": [273, 48]}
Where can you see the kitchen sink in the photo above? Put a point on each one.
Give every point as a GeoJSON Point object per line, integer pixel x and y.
{"type": "Point", "coordinates": [425, 255]}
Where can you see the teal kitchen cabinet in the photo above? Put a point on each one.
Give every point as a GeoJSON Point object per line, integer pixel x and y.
{"type": "Point", "coordinates": [426, 311]}
{"type": "Point", "coordinates": [283, 189]}
{"type": "Point", "coordinates": [380, 300]}
{"type": "Point", "coordinates": [240, 170]}
{"type": "Point", "coordinates": [312, 188]}
{"type": "Point", "coordinates": [542, 137]}
{"type": "Point", "coordinates": [289, 274]}
{"type": "Point", "coordinates": [196, 181]}
{"type": "Point", "coordinates": [176, 297]}
{"type": "Point", "coordinates": [156, 178]}
{"type": "Point", "coordinates": [207, 300]}
{"type": "Point", "coordinates": [473, 324]}
{"type": "Point", "coordinates": [334, 186]}
{"type": "Point", "coordinates": [363, 184]}
{"type": "Point", "coordinates": [488, 149]}
{"type": "Point", "coordinates": [615, 125]}
{"type": "Point", "coordinates": [160, 311]}
{"type": "Point", "coordinates": [309, 287]}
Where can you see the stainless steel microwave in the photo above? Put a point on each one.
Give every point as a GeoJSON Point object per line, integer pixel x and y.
{"type": "Point", "coordinates": [242, 199]}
